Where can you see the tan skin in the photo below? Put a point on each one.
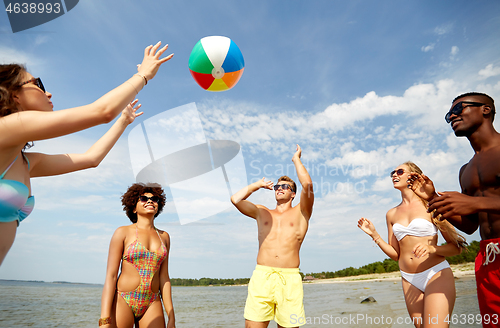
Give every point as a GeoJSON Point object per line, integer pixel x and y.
{"type": "Point", "coordinates": [416, 254]}
{"type": "Point", "coordinates": [36, 120]}
{"type": "Point", "coordinates": [112, 304]}
{"type": "Point", "coordinates": [478, 205]}
{"type": "Point", "coordinates": [282, 230]}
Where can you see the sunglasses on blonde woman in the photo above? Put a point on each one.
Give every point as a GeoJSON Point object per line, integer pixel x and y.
{"type": "Point", "coordinates": [398, 172]}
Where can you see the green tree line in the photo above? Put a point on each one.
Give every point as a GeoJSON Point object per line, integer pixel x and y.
{"type": "Point", "coordinates": [208, 282]}
{"type": "Point", "coordinates": [389, 265]}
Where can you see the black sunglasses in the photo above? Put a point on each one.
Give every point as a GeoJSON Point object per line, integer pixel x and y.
{"type": "Point", "coordinates": [36, 81]}
{"type": "Point", "coordinates": [398, 172]}
{"type": "Point", "coordinates": [284, 186]}
{"type": "Point", "coordinates": [459, 107]}
{"type": "Point", "coordinates": [154, 199]}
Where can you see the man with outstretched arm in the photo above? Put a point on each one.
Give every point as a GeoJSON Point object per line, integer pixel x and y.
{"type": "Point", "coordinates": [478, 205]}
{"type": "Point", "coordinates": [275, 289]}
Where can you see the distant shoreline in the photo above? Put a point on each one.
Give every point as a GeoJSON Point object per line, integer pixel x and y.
{"type": "Point", "coordinates": [464, 270]}
{"type": "Point", "coordinates": [53, 282]}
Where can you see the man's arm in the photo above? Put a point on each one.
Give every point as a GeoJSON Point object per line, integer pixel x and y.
{"type": "Point", "coordinates": [244, 206]}
{"type": "Point", "coordinates": [423, 187]}
{"type": "Point", "coordinates": [307, 194]}
{"type": "Point", "coordinates": [456, 208]}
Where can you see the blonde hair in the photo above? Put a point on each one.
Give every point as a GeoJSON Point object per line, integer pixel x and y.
{"type": "Point", "coordinates": [442, 224]}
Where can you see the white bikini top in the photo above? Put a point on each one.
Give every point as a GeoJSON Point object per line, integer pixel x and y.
{"type": "Point", "coordinates": [417, 227]}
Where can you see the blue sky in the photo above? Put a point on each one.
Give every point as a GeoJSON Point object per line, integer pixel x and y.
{"type": "Point", "coordinates": [362, 87]}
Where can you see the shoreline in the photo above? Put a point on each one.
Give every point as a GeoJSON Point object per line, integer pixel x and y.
{"type": "Point", "coordinates": [464, 270]}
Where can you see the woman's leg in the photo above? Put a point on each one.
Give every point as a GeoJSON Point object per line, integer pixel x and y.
{"type": "Point", "coordinates": [439, 299]}
{"type": "Point", "coordinates": [7, 236]}
{"type": "Point", "coordinates": [414, 299]}
{"type": "Point", "coordinates": [153, 317]}
{"type": "Point", "coordinates": [122, 314]}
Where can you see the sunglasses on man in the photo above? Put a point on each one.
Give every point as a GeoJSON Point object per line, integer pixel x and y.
{"type": "Point", "coordinates": [284, 186]}
{"type": "Point", "coordinates": [154, 199]}
{"type": "Point", "coordinates": [459, 107]}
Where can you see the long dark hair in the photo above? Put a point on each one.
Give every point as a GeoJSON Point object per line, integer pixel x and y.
{"type": "Point", "coordinates": [10, 79]}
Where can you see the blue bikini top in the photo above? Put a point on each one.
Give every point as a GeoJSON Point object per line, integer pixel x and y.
{"type": "Point", "coordinates": [15, 202]}
{"type": "Point", "coordinates": [417, 227]}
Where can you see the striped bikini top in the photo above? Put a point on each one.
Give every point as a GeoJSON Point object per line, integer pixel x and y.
{"type": "Point", "coordinates": [15, 201]}
{"type": "Point", "coordinates": [417, 227]}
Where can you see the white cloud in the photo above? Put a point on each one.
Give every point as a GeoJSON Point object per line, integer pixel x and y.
{"type": "Point", "coordinates": [11, 55]}
{"type": "Point", "coordinates": [489, 71]}
{"type": "Point", "coordinates": [443, 29]}
{"type": "Point", "coordinates": [428, 48]}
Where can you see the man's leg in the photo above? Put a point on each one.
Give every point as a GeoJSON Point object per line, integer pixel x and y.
{"type": "Point", "coordinates": [255, 324]}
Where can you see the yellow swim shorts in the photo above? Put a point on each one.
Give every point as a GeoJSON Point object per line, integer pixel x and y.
{"type": "Point", "coordinates": [275, 293]}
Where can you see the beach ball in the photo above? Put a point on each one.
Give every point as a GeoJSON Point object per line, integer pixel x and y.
{"type": "Point", "coordinates": [216, 63]}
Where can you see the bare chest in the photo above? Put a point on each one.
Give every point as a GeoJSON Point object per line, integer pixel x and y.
{"type": "Point", "coordinates": [282, 226]}
{"type": "Point", "coordinates": [482, 174]}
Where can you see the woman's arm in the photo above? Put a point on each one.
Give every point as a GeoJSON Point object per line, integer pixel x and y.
{"type": "Point", "coordinates": [391, 249]}
{"type": "Point", "coordinates": [48, 165]}
{"type": "Point", "coordinates": [448, 249]}
{"type": "Point", "coordinates": [165, 286]}
{"type": "Point", "coordinates": [31, 125]}
{"type": "Point", "coordinates": [114, 259]}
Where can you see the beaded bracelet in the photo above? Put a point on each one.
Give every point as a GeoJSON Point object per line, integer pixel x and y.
{"type": "Point", "coordinates": [104, 321]}
{"type": "Point", "coordinates": [376, 240]}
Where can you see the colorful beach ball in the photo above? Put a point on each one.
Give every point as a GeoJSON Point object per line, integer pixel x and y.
{"type": "Point", "coordinates": [216, 63]}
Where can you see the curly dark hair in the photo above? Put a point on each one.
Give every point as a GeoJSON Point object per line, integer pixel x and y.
{"type": "Point", "coordinates": [131, 197]}
{"type": "Point", "coordinates": [10, 79]}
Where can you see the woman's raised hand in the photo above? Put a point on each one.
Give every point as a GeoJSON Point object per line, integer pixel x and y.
{"type": "Point", "coordinates": [129, 113]}
{"type": "Point", "coordinates": [152, 62]}
{"type": "Point", "coordinates": [367, 226]}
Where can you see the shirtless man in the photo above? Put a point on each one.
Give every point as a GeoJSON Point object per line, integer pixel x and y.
{"type": "Point", "coordinates": [275, 289]}
{"type": "Point", "coordinates": [471, 116]}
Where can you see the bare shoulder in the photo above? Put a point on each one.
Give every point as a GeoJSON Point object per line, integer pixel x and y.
{"type": "Point", "coordinates": [164, 236]}
{"type": "Point", "coordinates": [124, 230]}
{"type": "Point", "coordinates": [391, 214]}
{"type": "Point", "coordinates": [121, 233]}
{"type": "Point", "coordinates": [264, 209]}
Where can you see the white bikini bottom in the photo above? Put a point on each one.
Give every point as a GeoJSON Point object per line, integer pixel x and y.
{"type": "Point", "coordinates": [421, 279]}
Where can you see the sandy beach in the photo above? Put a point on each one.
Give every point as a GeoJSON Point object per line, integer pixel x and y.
{"type": "Point", "coordinates": [463, 270]}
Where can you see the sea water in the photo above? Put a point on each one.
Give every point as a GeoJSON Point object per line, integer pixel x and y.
{"type": "Point", "coordinates": [40, 304]}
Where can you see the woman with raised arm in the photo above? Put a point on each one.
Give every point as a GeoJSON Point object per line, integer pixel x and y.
{"type": "Point", "coordinates": [26, 115]}
{"type": "Point", "coordinates": [136, 294]}
{"type": "Point", "coordinates": [428, 283]}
